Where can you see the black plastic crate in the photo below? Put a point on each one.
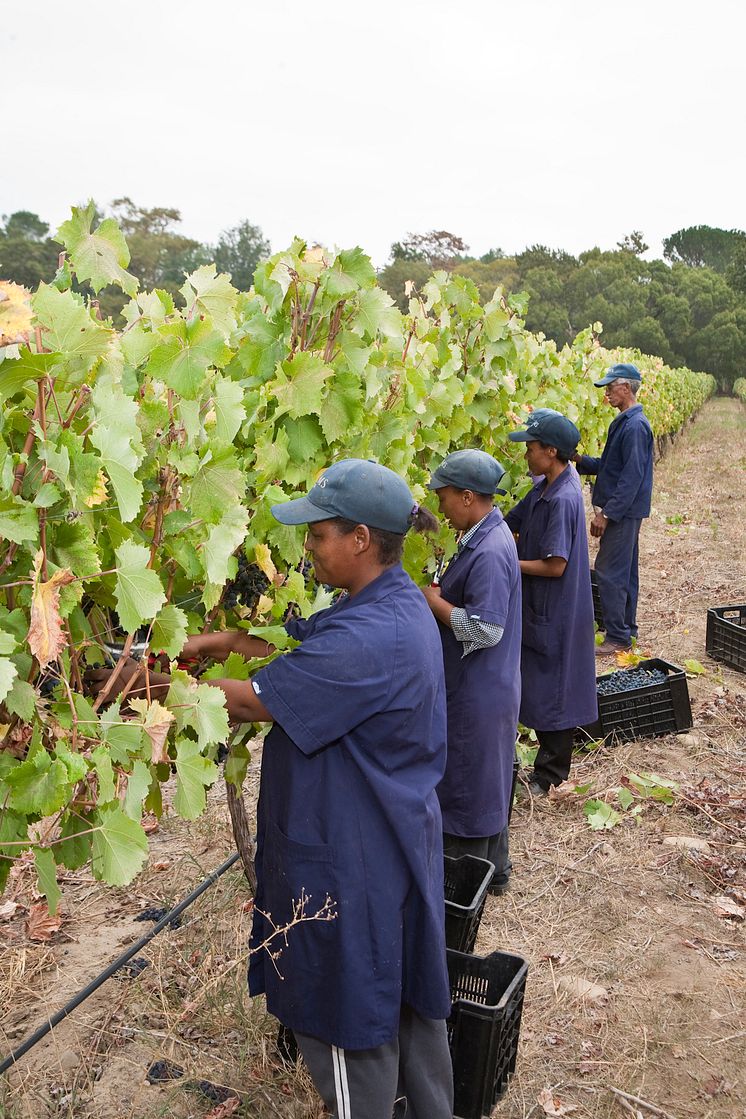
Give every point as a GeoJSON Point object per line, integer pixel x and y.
{"type": "Point", "coordinates": [726, 635]}
{"type": "Point", "coordinates": [645, 712]}
{"type": "Point", "coordinates": [598, 614]}
{"type": "Point", "coordinates": [467, 880]}
{"type": "Point", "coordinates": [487, 996]}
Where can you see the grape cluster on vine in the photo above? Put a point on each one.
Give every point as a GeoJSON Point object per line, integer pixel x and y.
{"type": "Point", "coordinates": [248, 586]}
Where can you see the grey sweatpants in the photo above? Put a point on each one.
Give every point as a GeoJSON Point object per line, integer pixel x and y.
{"type": "Point", "coordinates": [413, 1071]}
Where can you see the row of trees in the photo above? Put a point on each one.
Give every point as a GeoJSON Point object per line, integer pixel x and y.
{"type": "Point", "coordinates": [689, 308]}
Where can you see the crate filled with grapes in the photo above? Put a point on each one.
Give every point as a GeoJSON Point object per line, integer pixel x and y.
{"type": "Point", "coordinates": [642, 702]}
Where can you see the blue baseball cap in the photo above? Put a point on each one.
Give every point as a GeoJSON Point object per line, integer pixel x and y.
{"type": "Point", "coordinates": [358, 490]}
{"type": "Point", "coordinates": [547, 426]}
{"type": "Point", "coordinates": [628, 371]}
{"type": "Point", "coordinates": [469, 470]}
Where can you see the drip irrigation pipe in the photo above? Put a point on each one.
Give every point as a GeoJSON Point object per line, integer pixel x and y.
{"type": "Point", "coordinates": [107, 973]}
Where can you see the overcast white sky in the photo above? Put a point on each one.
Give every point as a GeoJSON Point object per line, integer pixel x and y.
{"type": "Point", "coordinates": [565, 122]}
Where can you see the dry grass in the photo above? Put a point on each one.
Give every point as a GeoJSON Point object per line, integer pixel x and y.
{"type": "Point", "coordinates": [618, 908]}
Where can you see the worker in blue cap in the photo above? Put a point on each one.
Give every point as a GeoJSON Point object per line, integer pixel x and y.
{"type": "Point", "coordinates": [621, 497]}
{"type": "Point", "coordinates": [477, 605]}
{"type": "Point", "coordinates": [558, 674]}
{"type": "Point", "coordinates": [348, 810]}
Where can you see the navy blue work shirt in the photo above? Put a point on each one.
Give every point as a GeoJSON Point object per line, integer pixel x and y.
{"type": "Point", "coordinates": [484, 688]}
{"type": "Point", "coordinates": [558, 657]}
{"type": "Point", "coordinates": [348, 810]}
{"type": "Point", "coordinates": [624, 472]}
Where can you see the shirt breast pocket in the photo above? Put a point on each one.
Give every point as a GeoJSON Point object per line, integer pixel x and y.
{"type": "Point", "coordinates": [536, 631]}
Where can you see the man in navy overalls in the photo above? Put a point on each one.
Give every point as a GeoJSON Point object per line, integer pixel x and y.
{"type": "Point", "coordinates": [478, 609]}
{"type": "Point", "coordinates": [558, 668]}
{"type": "Point", "coordinates": [348, 817]}
{"type": "Point", "coordinates": [621, 497]}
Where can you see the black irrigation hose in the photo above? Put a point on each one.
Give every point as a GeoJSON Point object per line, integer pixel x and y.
{"type": "Point", "coordinates": [107, 973]}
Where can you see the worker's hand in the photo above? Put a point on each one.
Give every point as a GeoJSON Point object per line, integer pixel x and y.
{"type": "Point", "coordinates": [96, 679]}
{"type": "Point", "coordinates": [432, 594]}
{"type": "Point", "coordinates": [576, 457]}
{"type": "Point", "coordinates": [598, 524]}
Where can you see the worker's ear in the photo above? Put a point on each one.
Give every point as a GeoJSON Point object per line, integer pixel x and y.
{"type": "Point", "coordinates": [467, 497]}
{"type": "Point", "coordinates": [361, 538]}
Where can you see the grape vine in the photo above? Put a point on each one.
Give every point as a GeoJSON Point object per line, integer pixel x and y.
{"type": "Point", "coordinates": [138, 466]}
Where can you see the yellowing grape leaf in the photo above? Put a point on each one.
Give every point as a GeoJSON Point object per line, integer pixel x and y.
{"type": "Point", "coordinates": [156, 720]}
{"type": "Point", "coordinates": [264, 561]}
{"type": "Point", "coordinates": [45, 636]}
{"type": "Point", "coordinates": [15, 313]}
{"type": "Point", "coordinates": [99, 494]}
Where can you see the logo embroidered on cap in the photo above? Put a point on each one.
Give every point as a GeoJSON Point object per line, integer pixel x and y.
{"type": "Point", "coordinates": [322, 482]}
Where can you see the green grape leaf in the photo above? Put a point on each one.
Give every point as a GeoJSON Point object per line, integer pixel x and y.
{"type": "Point", "coordinates": [194, 773]}
{"type": "Point", "coordinates": [236, 765]}
{"type": "Point", "coordinates": [68, 325]}
{"type": "Point", "coordinates": [138, 785]}
{"type": "Point", "coordinates": [625, 798]}
{"type": "Point", "coordinates": [229, 409]}
{"type": "Point", "coordinates": [8, 674]}
{"type": "Point", "coordinates": [13, 830]}
{"type": "Point", "coordinates": [222, 541]}
{"type": "Point", "coordinates": [138, 590]}
{"type": "Point", "coordinates": [100, 257]}
{"type": "Point", "coordinates": [23, 371]}
{"type": "Point", "coordinates": [107, 789]}
{"type": "Point", "coordinates": [210, 718]}
{"type": "Point", "coordinates": [182, 361]}
{"type": "Point", "coordinates": [18, 519]}
{"type": "Point", "coordinates": [116, 436]}
{"type": "Point", "coordinates": [169, 631]}
{"type": "Point", "coordinates": [213, 294]}
{"type": "Point", "coordinates": [20, 700]}
{"type": "Point", "coordinates": [119, 847]}
{"type": "Point", "coordinates": [217, 485]}
{"type": "Point", "coordinates": [234, 667]}
{"type": "Point", "coordinates": [123, 738]}
{"type": "Point", "coordinates": [38, 786]}
{"type": "Point", "coordinates": [600, 815]}
{"type": "Point", "coordinates": [75, 849]}
{"type": "Point", "coordinates": [341, 407]}
{"type": "Point", "coordinates": [75, 764]}
{"type": "Point", "coordinates": [46, 872]}
{"type": "Point", "coordinates": [352, 269]}
{"type": "Point", "coordinates": [377, 313]}
{"type": "Point", "coordinates": [272, 454]}
{"type": "Point", "coordinates": [299, 385]}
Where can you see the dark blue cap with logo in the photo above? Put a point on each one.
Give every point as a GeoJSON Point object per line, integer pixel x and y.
{"type": "Point", "coordinates": [625, 370]}
{"type": "Point", "coordinates": [357, 490]}
{"type": "Point", "coordinates": [469, 470]}
{"type": "Point", "coordinates": [547, 426]}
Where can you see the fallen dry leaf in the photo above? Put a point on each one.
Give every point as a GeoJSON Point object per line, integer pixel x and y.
{"type": "Point", "coordinates": [163, 865]}
{"type": "Point", "coordinates": [554, 957]}
{"type": "Point", "coordinates": [727, 908]}
{"type": "Point", "coordinates": [687, 843]}
{"type": "Point", "coordinates": [578, 988]}
{"type": "Point", "coordinates": [717, 1086]}
{"type": "Point", "coordinates": [150, 824]}
{"type": "Point", "coordinates": [552, 1105]}
{"type": "Point", "coordinates": [564, 791]}
{"type": "Point", "coordinates": [45, 637]}
{"type": "Point", "coordinates": [8, 909]}
{"type": "Point", "coordinates": [40, 925]}
{"type": "Point", "coordinates": [224, 1110]}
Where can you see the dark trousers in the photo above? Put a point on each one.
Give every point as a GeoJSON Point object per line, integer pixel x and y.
{"type": "Point", "coordinates": [552, 765]}
{"type": "Point", "coordinates": [492, 847]}
{"type": "Point", "coordinates": [618, 580]}
{"type": "Point", "coordinates": [413, 1072]}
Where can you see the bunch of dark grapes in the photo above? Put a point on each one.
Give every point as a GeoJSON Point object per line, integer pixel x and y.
{"type": "Point", "coordinates": [628, 680]}
{"type": "Point", "coordinates": [247, 587]}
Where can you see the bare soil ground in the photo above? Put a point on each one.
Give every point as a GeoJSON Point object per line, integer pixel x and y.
{"type": "Point", "coordinates": [618, 908]}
